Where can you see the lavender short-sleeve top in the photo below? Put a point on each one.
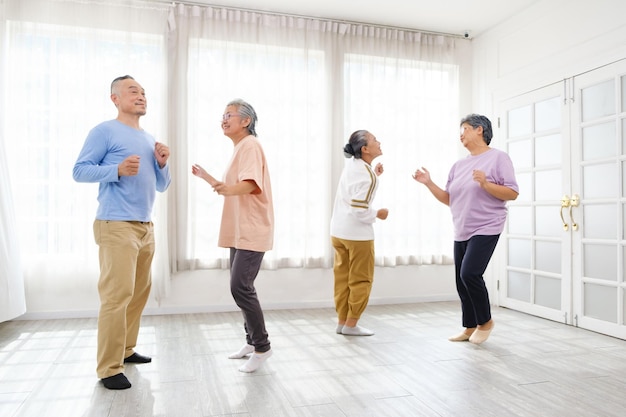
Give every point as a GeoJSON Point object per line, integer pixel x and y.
{"type": "Point", "coordinates": [474, 210]}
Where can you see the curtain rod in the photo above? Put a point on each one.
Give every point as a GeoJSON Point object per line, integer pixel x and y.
{"type": "Point", "coordinates": [374, 25]}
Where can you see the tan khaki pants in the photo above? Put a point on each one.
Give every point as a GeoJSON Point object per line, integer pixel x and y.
{"type": "Point", "coordinates": [354, 274]}
{"type": "Point", "coordinates": [126, 251]}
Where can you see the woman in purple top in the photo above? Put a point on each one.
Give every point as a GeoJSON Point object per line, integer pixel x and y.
{"type": "Point", "coordinates": [477, 190]}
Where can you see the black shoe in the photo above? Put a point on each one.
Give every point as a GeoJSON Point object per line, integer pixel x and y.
{"type": "Point", "coordinates": [137, 358]}
{"type": "Point", "coordinates": [118, 381]}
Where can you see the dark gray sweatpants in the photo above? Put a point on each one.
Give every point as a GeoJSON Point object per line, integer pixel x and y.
{"type": "Point", "coordinates": [244, 268]}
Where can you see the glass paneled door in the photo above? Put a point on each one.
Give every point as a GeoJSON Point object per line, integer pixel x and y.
{"type": "Point", "coordinates": [565, 240]}
{"type": "Point", "coordinates": [537, 277]}
{"type": "Point", "coordinates": [599, 162]}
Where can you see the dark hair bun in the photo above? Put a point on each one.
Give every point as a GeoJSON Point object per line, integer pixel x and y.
{"type": "Point", "coordinates": [348, 150]}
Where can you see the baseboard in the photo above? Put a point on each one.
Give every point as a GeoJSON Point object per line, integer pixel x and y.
{"type": "Point", "coordinates": [221, 308]}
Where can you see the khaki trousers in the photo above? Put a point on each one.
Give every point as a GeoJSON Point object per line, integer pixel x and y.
{"type": "Point", "coordinates": [354, 275]}
{"type": "Point", "coordinates": [126, 252]}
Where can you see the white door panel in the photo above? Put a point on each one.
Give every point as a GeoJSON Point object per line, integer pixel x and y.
{"type": "Point", "coordinates": [566, 233]}
{"type": "Point", "coordinates": [598, 127]}
{"type": "Point", "coordinates": [537, 279]}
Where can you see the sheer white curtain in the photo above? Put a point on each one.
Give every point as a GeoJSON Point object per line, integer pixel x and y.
{"type": "Point", "coordinates": [12, 297]}
{"type": "Point", "coordinates": [404, 88]}
{"type": "Point", "coordinates": [59, 61]}
{"type": "Point", "coordinates": [312, 83]}
{"type": "Point", "coordinates": [279, 65]}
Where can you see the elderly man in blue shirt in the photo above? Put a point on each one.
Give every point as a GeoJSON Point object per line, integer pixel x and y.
{"type": "Point", "coordinates": [130, 166]}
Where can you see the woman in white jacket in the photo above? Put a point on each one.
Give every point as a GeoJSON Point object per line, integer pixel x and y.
{"type": "Point", "coordinates": [352, 232]}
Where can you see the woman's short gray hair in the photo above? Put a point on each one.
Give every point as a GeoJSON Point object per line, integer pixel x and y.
{"type": "Point", "coordinates": [246, 111]}
{"type": "Point", "coordinates": [358, 139]}
{"type": "Point", "coordinates": [476, 120]}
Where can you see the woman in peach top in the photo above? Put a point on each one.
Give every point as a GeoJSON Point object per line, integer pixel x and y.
{"type": "Point", "coordinates": [247, 227]}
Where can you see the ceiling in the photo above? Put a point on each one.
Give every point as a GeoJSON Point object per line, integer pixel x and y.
{"type": "Point", "coordinates": [443, 16]}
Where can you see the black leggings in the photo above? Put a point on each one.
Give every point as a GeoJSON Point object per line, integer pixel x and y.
{"type": "Point", "coordinates": [471, 258]}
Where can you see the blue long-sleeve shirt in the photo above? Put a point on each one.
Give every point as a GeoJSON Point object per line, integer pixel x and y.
{"type": "Point", "coordinates": [126, 198]}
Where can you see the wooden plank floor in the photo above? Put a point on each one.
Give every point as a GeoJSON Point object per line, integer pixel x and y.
{"type": "Point", "coordinates": [529, 367]}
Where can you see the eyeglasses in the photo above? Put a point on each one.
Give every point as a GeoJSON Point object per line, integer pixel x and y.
{"type": "Point", "coordinates": [229, 115]}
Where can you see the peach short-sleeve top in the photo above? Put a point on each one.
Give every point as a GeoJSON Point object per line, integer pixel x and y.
{"type": "Point", "coordinates": [248, 220]}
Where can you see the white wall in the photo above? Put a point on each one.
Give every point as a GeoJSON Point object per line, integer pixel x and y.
{"type": "Point", "coordinates": [208, 291]}
{"type": "Point", "coordinates": [305, 288]}
{"type": "Point", "coordinates": [551, 41]}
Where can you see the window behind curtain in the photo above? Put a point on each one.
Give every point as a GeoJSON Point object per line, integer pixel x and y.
{"type": "Point", "coordinates": [411, 106]}
{"type": "Point", "coordinates": [56, 89]}
{"type": "Point", "coordinates": [288, 89]}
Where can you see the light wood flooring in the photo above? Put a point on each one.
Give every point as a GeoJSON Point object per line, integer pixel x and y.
{"type": "Point", "coordinates": [529, 367]}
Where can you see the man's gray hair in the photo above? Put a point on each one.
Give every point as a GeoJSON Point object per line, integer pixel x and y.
{"type": "Point", "coordinates": [116, 81]}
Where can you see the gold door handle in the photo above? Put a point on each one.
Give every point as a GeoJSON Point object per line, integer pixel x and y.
{"type": "Point", "coordinates": [565, 202]}
{"type": "Point", "coordinates": [574, 202]}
